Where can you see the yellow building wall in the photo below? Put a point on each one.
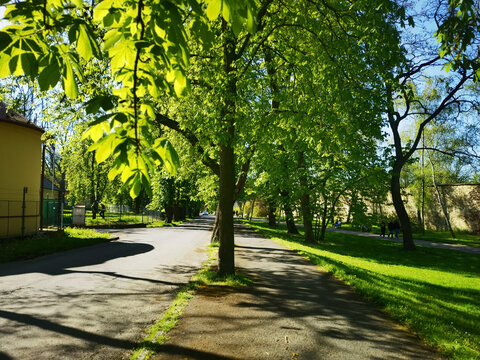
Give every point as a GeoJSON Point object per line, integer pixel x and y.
{"type": "Point", "coordinates": [20, 166]}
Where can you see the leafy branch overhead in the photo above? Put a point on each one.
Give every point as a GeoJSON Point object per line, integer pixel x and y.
{"type": "Point", "coordinates": [146, 44]}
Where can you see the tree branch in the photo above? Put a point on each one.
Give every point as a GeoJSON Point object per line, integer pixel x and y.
{"type": "Point", "coordinates": [191, 138]}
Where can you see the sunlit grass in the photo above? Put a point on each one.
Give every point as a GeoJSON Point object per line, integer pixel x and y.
{"type": "Point", "coordinates": [162, 223]}
{"type": "Point", "coordinates": [435, 293]}
{"type": "Point", "coordinates": [43, 244]}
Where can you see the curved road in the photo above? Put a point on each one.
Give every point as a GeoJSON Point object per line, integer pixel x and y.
{"type": "Point", "coordinates": [95, 302]}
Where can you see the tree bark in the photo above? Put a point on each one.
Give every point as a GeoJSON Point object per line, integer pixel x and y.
{"type": "Point", "coordinates": [291, 228]}
{"type": "Point", "coordinates": [251, 210]}
{"type": "Point", "coordinates": [271, 214]}
{"type": "Point", "coordinates": [324, 219]}
{"type": "Point", "coordinates": [402, 214]}
{"type": "Point", "coordinates": [226, 251]}
{"type": "Point", "coordinates": [214, 237]}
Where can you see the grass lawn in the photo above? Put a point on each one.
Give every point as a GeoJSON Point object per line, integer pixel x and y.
{"type": "Point", "coordinates": [41, 244]}
{"type": "Point", "coordinates": [434, 292]}
{"type": "Point", "coordinates": [161, 223]}
{"type": "Point", "coordinates": [127, 218]}
{"type": "Point", "coordinates": [114, 218]}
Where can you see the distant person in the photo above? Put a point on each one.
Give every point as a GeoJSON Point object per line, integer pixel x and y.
{"type": "Point", "coordinates": [382, 229]}
{"type": "Point", "coordinates": [337, 224]}
{"type": "Point", "coordinates": [390, 229]}
{"type": "Point", "coordinates": [396, 228]}
{"type": "Point", "coordinates": [364, 228]}
{"type": "Point", "coordinates": [102, 211]}
{"type": "Point", "coordinates": [94, 210]}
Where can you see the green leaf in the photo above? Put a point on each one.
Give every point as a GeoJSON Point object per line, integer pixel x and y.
{"type": "Point", "coordinates": [50, 75]}
{"type": "Point", "coordinates": [213, 9]}
{"type": "Point", "coordinates": [94, 132]}
{"type": "Point", "coordinates": [78, 3]}
{"type": "Point", "coordinates": [5, 40]}
{"type": "Point", "coordinates": [136, 186]}
{"type": "Point", "coordinates": [167, 153]}
{"type": "Point", "coordinates": [29, 64]}
{"type": "Point", "coordinates": [226, 12]}
{"type": "Point", "coordinates": [181, 83]}
{"type": "Point", "coordinates": [111, 38]}
{"type": "Point", "coordinates": [4, 65]}
{"type": "Point", "coordinates": [84, 45]}
{"type": "Point", "coordinates": [102, 10]}
{"type": "Point", "coordinates": [251, 22]}
{"type": "Point", "coordinates": [69, 82]}
{"type": "Point", "coordinates": [103, 148]}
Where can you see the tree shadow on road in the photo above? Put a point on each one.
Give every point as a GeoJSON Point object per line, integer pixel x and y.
{"type": "Point", "coordinates": [60, 263]}
{"type": "Point", "coordinates": [66, 330]}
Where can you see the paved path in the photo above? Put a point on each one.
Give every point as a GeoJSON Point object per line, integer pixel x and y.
{"type": "Point", "coordinates": [95, 302]}
{"type": "Point", "coordinates": [432, 244]}
{"type": "Point", "coordinates": [293, 311]}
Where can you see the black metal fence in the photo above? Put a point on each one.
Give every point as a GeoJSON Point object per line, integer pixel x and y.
{"type": "Point", "coordinates": [19, 218]}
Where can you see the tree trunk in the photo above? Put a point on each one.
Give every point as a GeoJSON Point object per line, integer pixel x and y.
{"type": "Point", "coordinates": [271, 214]}
{"type": "Point", "coordinates": [226, 261]}
{"type": "Point", "coordinates": [402, 214]}
{"type": "Point", "coordinates": [324, 219]}
{"type": "Point", "coordinates": [226, 251]}
{"type": "Point", "coordinates": [291, 228]}
{"type": "Point", "coordinates": [307, 217]}
{"type": "Point", "coordinates": [214, 237]}
{"type": "Point", "coordinates": [251, 210]}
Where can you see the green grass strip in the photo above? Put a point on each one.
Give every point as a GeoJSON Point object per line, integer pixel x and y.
{"type": "Point", "coordinates": [158, 332]}
{"type": "Point", "coordinates": [434, 292]}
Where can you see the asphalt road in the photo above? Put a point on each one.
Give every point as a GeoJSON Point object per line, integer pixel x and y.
{"type": "Point", "coordinates": [95, 302]}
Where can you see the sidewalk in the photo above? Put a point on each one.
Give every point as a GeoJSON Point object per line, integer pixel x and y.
{"type": "Point", "coordinates": [293, 311]}
{"type": "Point", "coordinates": [432, 244]}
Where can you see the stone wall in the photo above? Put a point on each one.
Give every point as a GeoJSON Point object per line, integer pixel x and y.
{"type": "Point", "coordinates": [462, 203]}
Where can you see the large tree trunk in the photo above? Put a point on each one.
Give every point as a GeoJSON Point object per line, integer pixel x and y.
{"type": "Point", "coordinates": [226, 257]}
{"type": "Point", "coordinates": [226, 251]}
{"type": "Point", "coordinates": [402, 214]}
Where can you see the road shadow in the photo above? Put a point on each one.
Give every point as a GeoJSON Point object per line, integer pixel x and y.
{"type": "Point", "coordinates": [25, 319]}
{"type": "Point", "coordinates": [166, 351]}
{"type": "Point", "coordinates": [59, 263]}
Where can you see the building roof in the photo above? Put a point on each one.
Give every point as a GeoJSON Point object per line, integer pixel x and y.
{"type": "Point", "coordinates": [47, 185]}
{"type": "Point", "coordinates": [14, 118]}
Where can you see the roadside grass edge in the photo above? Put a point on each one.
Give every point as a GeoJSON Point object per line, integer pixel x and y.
{"type": "Point", "coordinates": [157, 334]}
